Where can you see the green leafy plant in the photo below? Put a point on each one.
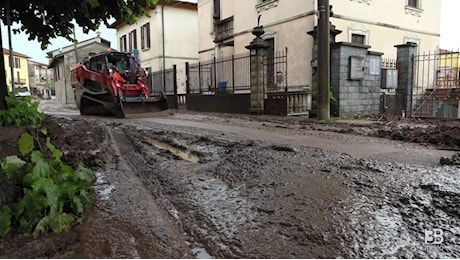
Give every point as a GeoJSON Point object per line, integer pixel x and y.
{"type": "Point", "coordinates": [55, 195]}
{"type": "Point", "coordinates": [332, 98]}
{"type": "Point", "coordinates": [21, 111]}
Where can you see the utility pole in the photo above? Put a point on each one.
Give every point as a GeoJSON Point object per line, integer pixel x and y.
{"type": "Point", "coordinates": [75, 45]}
{"type": "Point", "coordinates": [324, 60]}
{"type": "Point", "coordinates": [10, 46]}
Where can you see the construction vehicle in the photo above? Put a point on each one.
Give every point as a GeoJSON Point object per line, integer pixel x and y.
{"type": "Point", "coordinates": [113, 84]}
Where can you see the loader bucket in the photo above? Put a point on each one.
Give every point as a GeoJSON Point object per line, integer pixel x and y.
{"type": "Point", "coordinates": [139, 106]}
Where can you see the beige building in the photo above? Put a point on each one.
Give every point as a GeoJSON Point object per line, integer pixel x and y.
{"type": "Point", "coordinates": [40, 78]}
{"type": "Point", "coordinates": [385, 23]}
{"type": "Point", "coordinates": [62, 60]}
{"type": "Point", "coordinates": [20, 70]}
{"type": "Point", "coordinates": [168, 37]}
{"type": "Point", "coordinates": [225, 27]}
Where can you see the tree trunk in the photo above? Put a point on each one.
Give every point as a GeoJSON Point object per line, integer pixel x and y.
{"type": "Point", "coordinates": [8, 191]}
{"type": "Point", "coordinates": [3, 86]}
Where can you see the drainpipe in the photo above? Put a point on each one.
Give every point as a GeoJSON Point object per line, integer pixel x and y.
{"type": "Point", "coordinates": [65, 80]}
{"type": "Point", "coordinates": [163, 43]}
{"type": "Point", "coordinates": [75, 45]}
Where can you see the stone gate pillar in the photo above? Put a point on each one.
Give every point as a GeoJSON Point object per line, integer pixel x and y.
{"type": "Point", "coordinates": [257, 49]}
{"type": "Point", "coordinates": [405, 54]}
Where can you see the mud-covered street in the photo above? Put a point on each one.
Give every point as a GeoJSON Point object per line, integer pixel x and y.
{"type": "Point", "coordinates": [181, 184]}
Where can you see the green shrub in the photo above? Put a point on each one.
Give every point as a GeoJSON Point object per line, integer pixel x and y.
{"type": "Point", "coordinates": [55, 195]}
{"type": "Point", "coordinates": [332, 98]}
{"type": "Point", "coordinates": [21, 112]}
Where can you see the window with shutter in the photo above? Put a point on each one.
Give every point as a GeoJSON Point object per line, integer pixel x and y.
{"type": "Point", "coordinates": [145, 36]}
{"type": "Point", "coordinates": [123, 46]}
{"type": "Point", "coordinates": [132, 40]}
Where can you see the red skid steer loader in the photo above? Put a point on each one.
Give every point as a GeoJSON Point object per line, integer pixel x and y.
{"type": "Point", "coordinates": [113, 84]}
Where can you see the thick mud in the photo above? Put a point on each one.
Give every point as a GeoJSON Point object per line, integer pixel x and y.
{"type": "Point", "coordinates": [247, 198]}
{"type": "Point", "coordinates": [441, 133]}
{"type": "Point", "coordinates": [170, 191]}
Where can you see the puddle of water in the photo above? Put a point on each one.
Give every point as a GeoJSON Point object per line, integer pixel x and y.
{"type": "Point", "coordinates": [177, 151]}
{"type": "Point", "coordinates": [201, 253]}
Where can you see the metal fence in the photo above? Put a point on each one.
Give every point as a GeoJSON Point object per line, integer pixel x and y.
{"type": "Point", "coordinates": [229, 74]}
{"type": "Point", "coordinates": [275, 72]}
{"type": "Point", "coordinates": [279, 98]}
{"type": "Point", "coordinates": [164, 81]}
{"type": "Point", "coordinates": [436, 84]}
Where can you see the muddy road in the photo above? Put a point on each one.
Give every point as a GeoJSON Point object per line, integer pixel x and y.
{"type": "Point", "coordinates": [184, 185]}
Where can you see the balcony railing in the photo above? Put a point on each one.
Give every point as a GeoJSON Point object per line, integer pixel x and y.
{"type": "Point", "coordinates": [224, 30]}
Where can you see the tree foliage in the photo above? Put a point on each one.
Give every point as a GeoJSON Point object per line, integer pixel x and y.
{"type": "Point", "coordinates": [47, 19]}
{"type": "Point", "coordinates": [43, 20]}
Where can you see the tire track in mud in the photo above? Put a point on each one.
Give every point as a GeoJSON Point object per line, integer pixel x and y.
{"type": "Point", "coordinates": [207, 208]}
{"type": "Point", "coordinates": [355, 145]}
{"type": "Point", "coordinates": [240, 200]}
{"type": "Point", "coordinates": [127, 221]}
{"type": "Point", "coordinates": [301, 202]}
{"type": "Point", "coordinates": [256, 199]}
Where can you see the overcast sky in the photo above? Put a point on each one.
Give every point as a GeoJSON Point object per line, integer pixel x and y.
{"type": "Point", "coordinates": [450, 20]}
{"type": "Point", "coordinates": [450, 36]}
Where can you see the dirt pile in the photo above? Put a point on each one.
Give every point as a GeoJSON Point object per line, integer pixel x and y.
{"type": "Point", "coordinates": [454, 160]}
{"type": "Point", "coordinates": [442, 135]}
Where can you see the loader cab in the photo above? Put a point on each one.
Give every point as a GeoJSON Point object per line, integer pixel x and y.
{"type": "Point", "coordinates": [98, 64]}
{"type": "Point", "coordinates": [120, 60]}
{"type": "Point", "coordinates": [124, 64]}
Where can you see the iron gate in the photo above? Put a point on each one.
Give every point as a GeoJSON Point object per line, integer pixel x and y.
{"type": "Point", "coordinates": [232, 75]}
{"type": "Point", "coordinates": [279, 98]}
{"type": "Point", "coordinates": [436, 84]}
{"type": "Point", "coordinates": [165, 82]}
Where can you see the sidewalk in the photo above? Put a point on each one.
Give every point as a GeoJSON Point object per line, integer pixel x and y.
{"type": "Point", "coordinates": [52, 106]}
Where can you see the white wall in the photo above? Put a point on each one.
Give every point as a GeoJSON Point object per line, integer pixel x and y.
{"type": "Point", "coordinates": [389, 23]}
{"type": "Point", "coordinates": [180, 39]}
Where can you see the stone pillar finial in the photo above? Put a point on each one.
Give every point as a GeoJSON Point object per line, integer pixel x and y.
{"type": "Point", "coordinates": [257, 47]}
